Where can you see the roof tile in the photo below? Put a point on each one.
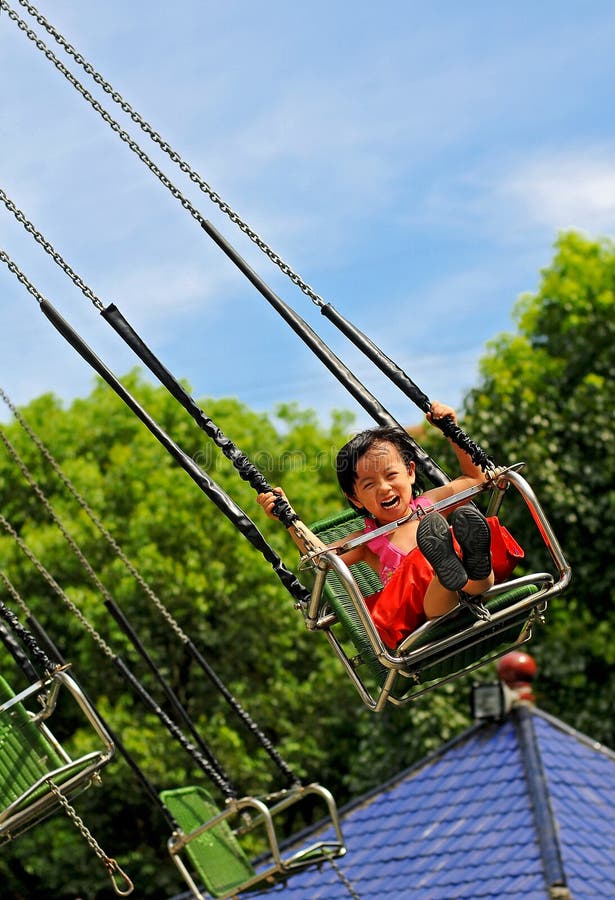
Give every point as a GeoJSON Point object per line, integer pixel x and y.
{"type": "Point", "coordinates": [461, 825]}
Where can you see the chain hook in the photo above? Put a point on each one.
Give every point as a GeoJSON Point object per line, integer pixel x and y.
{"type": "Point", "coordinates": [112, 867]}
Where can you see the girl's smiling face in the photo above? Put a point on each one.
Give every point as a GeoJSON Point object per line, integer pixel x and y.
{"type": "Point", "coordinates": [383, 485]}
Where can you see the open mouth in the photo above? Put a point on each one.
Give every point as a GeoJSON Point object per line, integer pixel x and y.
{"type": "Point", "coordinates": [390, 504]}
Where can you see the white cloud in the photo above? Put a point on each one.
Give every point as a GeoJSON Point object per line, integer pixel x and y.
{"type": "Point", "coordinates": [524, 200]}
{"type": "Point", "coordinates": [575, 190]}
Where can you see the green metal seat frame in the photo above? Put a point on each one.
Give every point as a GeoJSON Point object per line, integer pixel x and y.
{"type": "Point", "coordinates": [442, 649]}
{"type": "Point", "coordinates": [31, 759]}
{"type": "Point", "coordinates": [212, 846]}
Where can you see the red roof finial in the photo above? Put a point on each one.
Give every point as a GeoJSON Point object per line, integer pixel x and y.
{"type": "Point", "coordinates": [517, 670]}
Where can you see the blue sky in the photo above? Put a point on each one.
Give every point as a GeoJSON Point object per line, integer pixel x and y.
{"type": "Point", "coordinates": [413, 162]}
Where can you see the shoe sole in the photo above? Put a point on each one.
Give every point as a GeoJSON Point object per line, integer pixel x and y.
{"type": "Point", "coordinates": [435, 542]}
{"type": "Point", "coordinates": [474, 537]}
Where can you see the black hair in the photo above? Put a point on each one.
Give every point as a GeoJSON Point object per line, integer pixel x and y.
{"type": "Point", "coordinates": [348, 457]}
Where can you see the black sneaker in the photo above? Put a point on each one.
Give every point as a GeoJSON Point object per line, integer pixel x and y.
{"type": "Point", "coordinates": [474, 537]}
{"type": "Point", "coordinates": [435, 542]}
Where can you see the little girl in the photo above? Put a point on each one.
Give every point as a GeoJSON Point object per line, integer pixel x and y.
{"type": "Point", "coordinates": [423, 564]}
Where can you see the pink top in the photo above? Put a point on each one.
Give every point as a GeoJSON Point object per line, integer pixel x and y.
{"type": "Point", "coordinates": [389, 555]}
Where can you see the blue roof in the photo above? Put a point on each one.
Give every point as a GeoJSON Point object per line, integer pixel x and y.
{"type": "Point", "coordinates": [508, 809]}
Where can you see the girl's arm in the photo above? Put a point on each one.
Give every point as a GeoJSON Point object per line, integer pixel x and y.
{"type": "Point", "coordinates": [267, 501]}
{"type": "Point", "coordinates": [471, 474]}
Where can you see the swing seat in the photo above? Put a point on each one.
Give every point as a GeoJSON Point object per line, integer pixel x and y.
{"type": "Point", "coordinates": [213, 846]}
{"type": "Point", "coordinates": [442, 649]}
{"type": "Point", "coordinates": [31, 758]}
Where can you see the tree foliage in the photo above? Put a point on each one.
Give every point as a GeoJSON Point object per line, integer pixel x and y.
{"type": "Point", "coordinates": [546, 396]}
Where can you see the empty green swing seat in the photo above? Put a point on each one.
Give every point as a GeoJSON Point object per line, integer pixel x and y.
{"type": "Point", "coordinates": [214, 852]}
{"type": "Point", "coordinates": [26, 755]}
{"type": "Point", "coordinates": [30, 758]}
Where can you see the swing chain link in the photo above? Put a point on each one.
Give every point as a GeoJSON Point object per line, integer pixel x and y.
{"type": "Point", "coordinates": [49, 54]}
{"type": "Point", "coordinates": [338, 871]}
{"type": "Point", "coordinates": [110, 864]}
{"type": "Point", "coordinates": [60, 525]}
{"type": "Point", "coordinates": [94, 518]}
{"type": "Point", "coordinates": [156, 138]}
{"type": "Point", "coordinates": [50, 249]}
{"type": "Point", "coordinates": [96, 637]}
{"type": "Point", "coordinates": [171, 621]}
{"type": "Point", "coordinates": [19, 275]}
{"type": "Point", "coordinates": [209, 764]}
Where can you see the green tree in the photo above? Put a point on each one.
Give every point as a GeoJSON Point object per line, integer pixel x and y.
{"type": "Point", "coordinates": [546, 396]}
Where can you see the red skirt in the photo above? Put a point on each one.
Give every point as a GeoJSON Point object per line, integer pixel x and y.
{"type": "Point", "coordinates": [397, 609]}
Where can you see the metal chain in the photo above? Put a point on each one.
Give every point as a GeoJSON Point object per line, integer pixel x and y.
{"type": "Point", "coordinates": [56, 588]}
{"type": "Point", "coordinates": [109, 863]}
{"type": "Point", "coordinates": [96, 521]}
{"type": "Point", "coordinates": [162, 609]}
{"type": "Point", "coordinates": [15, 594]}
{"type": "Point", "coordinates": [102, 112]}
{"type": "Point", "coordinates": [14, 268]}
{"type": "Point", "coordinates": [345, 881]}
{"type": "Point", "coordinates": [170, 152]}
{"type": "Point", "coordinates": [312, 544]}
{"type": "Point", "coordinates": [479, 456]}
{"type": "Point", "coordinates": [217, 777]}
{"type": "Point", "coordinates": [65, 533]}
{"type": "Point", "coordinates": [50, 249]}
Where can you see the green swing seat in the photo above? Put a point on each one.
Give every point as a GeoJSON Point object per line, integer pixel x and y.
{"type": "Point", "coordinates": [31, 758]}
{"type": "Point", "coordinates": [213, 848]}
{"type": "Point", "coordinates": [440, 650]}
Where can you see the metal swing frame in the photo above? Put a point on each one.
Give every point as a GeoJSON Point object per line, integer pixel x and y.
{"type": "Point", "coordinates": [215, 843]}
{"type": "Point", "coordinates": [29, 752]}
{"type": "Point", "coordinates": [442, 649]}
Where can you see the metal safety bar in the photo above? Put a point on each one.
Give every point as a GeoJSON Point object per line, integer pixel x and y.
{"type": "Point", "coordinates": [280, 865]}
{"type": "Point", "coordinates": [417, 651]}
{"type": "Point", "coordinates": [37, 800]}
